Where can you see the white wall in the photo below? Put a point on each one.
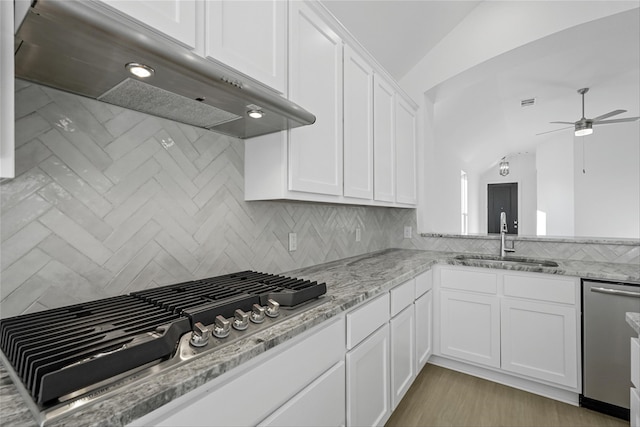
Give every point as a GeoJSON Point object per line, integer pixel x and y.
{"type": "Point", "coordinates": [490, 30]}
{"type": "Point", "coordinates": [606, 203]}
{"type": "Point", "coordinates": [554, 164]}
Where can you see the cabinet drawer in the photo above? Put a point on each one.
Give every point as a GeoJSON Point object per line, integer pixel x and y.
{"type": "Point", "coordinates": [635, 362]}
{"type": "Point", "coordinates": [424, 283]}
{"type": "Point", "coordinates": [262, 385]}
{"type": "Point", "coordinates": [469, 280]}
{"type": "Point", "coordinates": [402, 296]}
{"type": "Point", "coordinates": [320, 404]}
{"type": "Point", "coordinates": [366, 319]}
{"type": "Point", "coordinates": [541, 288]}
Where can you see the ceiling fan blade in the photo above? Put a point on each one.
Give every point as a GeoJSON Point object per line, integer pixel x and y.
{"type": "Point", "coordinates": [564, 123]}
{"type": "Point", "coordinates": [606, 122]}
{"type": "Point", "coordinates": [555, 130]}
{"type": "Point", "coordinates": [609, 114]}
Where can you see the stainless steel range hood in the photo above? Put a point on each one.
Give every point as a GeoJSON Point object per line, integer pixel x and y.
{"type": "Point", "coordinates": [80, 48]}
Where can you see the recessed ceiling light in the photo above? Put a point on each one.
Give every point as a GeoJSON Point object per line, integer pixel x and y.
{"type": "Point", "coordinates": [255, 114]}
{"type": "Point", "coordinates": [140, 70]}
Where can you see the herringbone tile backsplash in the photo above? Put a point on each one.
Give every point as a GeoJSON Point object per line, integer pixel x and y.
{"type": "Point", "coordinates": [107, 201]}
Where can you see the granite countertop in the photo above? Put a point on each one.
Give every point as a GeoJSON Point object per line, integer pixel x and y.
{"type": "Point", "coordinates": [349, 282]}
{"type": "Point", "coordinates": [633, 319]}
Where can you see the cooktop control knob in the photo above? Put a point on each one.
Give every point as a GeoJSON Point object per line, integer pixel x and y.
{"type": "Point", "coordinates": [241, 320]}
{"type": "Point", "coordinates": [273, 308]}
{"type": "Point", "coordinates": [257, 313]}
{"type": "Point", "coordinates": [200, 335]}
{"type": "Point", "coordinates": [221, 327]}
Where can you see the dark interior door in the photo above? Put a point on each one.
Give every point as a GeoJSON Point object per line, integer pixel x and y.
{"type": "Point", "coordinates": [502, 198]}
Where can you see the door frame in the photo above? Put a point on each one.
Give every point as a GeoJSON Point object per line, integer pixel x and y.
{"type": "Point", "coordinates": [510, 224]}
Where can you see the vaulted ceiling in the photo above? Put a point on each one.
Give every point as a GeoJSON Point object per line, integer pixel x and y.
{"type": "Point", "coordinates": [398, 33]}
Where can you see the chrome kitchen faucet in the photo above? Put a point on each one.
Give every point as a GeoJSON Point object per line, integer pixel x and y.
{"type": "Point", "coordinates": [503, 234]}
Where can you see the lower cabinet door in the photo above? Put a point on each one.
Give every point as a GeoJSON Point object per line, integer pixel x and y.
{"type": "Point", "coordinates": [540, 340]}
{"type": "Point", "coordinates": [403, 351]}
{"type": "Point", "coordinates": [320, 404]}
{"type": "Point", "coordinates": [634, 403]}
{"type": "Point", "coordinates": [470, 327]}
{"type": "Point", "coordinates": [368, 381]}
{"type": "Point", "coordinates": [424, 315]}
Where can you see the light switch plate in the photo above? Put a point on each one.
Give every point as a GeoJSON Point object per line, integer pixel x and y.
{"type": "Point", "coordinates": [293, 242]}
{"type": "Point", "coordinates": [407, 232]}
{"type": "Point", "coordinates": [358, 234]}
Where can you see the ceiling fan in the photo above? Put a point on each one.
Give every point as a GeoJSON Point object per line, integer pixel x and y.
{"type": "Point", "coordinates": [584, 126]}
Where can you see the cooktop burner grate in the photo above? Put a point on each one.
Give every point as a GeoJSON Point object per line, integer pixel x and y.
{"type": "Point", "coordinates": [61, 351]}
{"type": "Point", "coordinates": [202, 300]}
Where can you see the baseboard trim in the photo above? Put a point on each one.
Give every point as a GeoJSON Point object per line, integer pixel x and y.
{"type": "Point", "coordinates": [566, 396]}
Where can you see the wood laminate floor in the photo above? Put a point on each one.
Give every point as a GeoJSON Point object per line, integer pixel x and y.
{"type": "Point", "coordinates": [442, 397]}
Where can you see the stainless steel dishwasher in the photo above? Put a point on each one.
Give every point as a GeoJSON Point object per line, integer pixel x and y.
{"type": "Point", "coordinates": [605, 345]}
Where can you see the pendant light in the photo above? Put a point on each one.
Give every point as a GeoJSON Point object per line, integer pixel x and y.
{"type": "Point", "coordinates": [504, 167]}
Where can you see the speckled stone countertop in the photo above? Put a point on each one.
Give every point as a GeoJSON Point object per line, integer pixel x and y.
{"type": "Point", "coordinates": [633, 319]}
{"type": "Point", "coordinates": [349, 282]}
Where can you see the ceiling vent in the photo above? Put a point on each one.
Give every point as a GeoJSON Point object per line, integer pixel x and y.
{"type": "Point", "coordinates": [527, 102]}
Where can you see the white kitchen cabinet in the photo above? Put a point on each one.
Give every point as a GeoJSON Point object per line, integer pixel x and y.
{"type": "Point", "coordinates": [367, 318]}
{"type": "Point", "coordinates": [358, 126]}
{"type": "Point", "coordinates": [424, 334]}
{"type": "Point", "coordinates": [384, 140]}
{"type": "Point", "coordinates": [368, 391]}
{"type": "Point", "coordinates": [523, 327]}
{"type": "Point", "coordinates": [470, 327]}
{"type": "Point", "coordinates": [320, 404]}
{"type": "Point", "coordinates": [249, 36]}
{"type": "Point", "coordinates": [634, 407]}
{"type": "Point", "coordinates": [405, 146]}
{"type": "Point", "coordinates": [634, 390]}
{"type": "Point", "coordinates": [315, 83]}
{"type": "Point", "coordinates": [403, 349]}
{"type": "Point", "coordinates": [539, 340]}
{"type": "Point", "coordinates": [261, 381]}
{"type": "Point", "coordinates": [349, 155]}
{"type": "Point", "coordinates": [173, 18]}
{"type": "Point", "coordinates": [7, 111]}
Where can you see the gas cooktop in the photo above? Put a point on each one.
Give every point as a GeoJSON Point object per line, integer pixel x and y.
{"type": "Point", "coordinates": [64, 358]}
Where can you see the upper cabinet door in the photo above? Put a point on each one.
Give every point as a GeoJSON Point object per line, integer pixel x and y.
{"type": "Point", "coordinates": [384, 154]}
{"type": "Point", "coordinates": [315, 77]}
{"type": "Point", "coordinates": [358, 126]}
{"type": "Point", "coordinates": [405, 133]}
{"type": "Point", "coordinates": [174, 18]}
{"type": "Point", "coordinates": [249, 36]}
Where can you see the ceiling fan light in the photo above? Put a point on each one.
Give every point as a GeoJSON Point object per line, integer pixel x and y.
{"type": "Point", "coordinates": [583, 129]}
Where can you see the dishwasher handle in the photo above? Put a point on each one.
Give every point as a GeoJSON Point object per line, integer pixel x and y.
{"type": "Point", "coordinates": [609, 291]}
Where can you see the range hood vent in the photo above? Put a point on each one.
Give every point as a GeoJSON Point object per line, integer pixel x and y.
{"type": "Point", "coordinates": [80, 47]}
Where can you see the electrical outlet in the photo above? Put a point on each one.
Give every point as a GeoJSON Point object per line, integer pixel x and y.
{"type": "Point", "coordinates": [407, 232]}
{"type": "Point", "coordinates": [358, 234]}
{"type": "Point", "coordinates": [293, 242]}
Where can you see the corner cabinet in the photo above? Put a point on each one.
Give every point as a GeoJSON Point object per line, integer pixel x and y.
{"type": "Point", "coordinates": [316, 83]}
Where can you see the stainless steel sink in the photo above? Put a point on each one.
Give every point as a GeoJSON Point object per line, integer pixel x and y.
{"type": "Point", "coordinates": [490, 260]}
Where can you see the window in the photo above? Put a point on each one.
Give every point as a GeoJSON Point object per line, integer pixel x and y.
{"type": "Point", "coordinates": [464, 212]}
